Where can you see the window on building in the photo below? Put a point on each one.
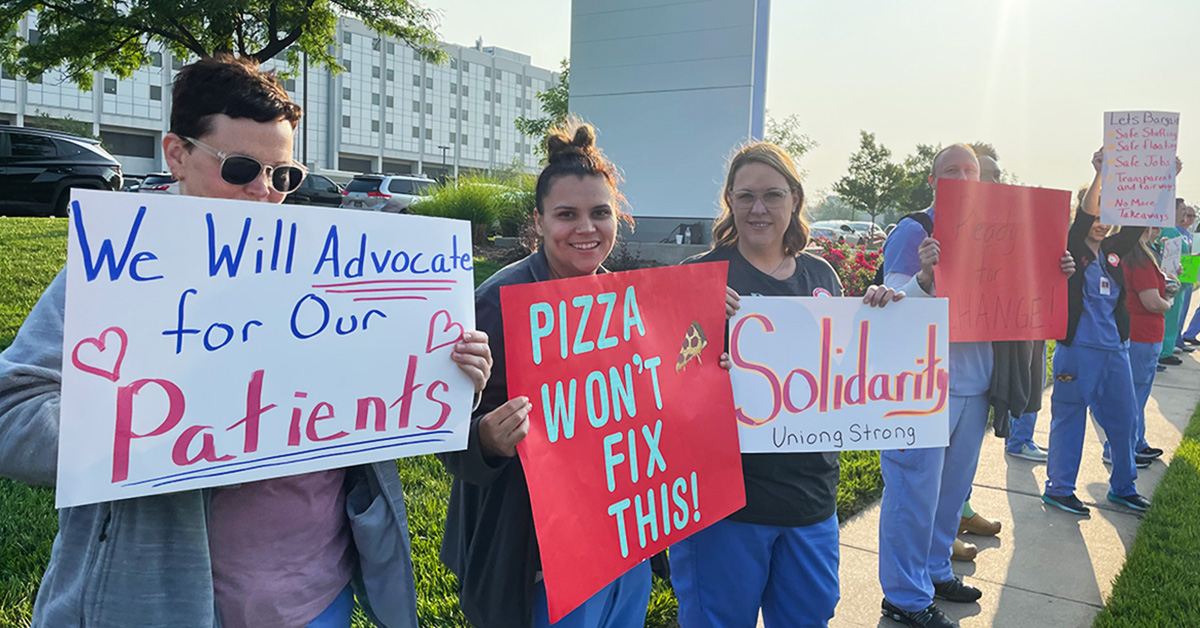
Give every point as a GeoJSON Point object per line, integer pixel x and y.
{"type": "Point", "coordinates": [391, 75]}
{"type": "Point", "coordinates": [176, 63]}
{"type": "Point", "coordinates": [487, 142]}
{"type": "Point", "coordinates": [346, 64]}
{"type": "Point", "coordinates": [156, 59]}
{"type": "Point", "coordinates": [110, 86]}
{"type": "Point", "coordinates": [4, 74]}
{"type": "Point", "coordinates": [453, 64]}
{"type": "Point", "coordinates": [374, 99]}
{"type": "Point", "coordinates": [465, 91]}
{"type": "Point", "coordinates": [453, 113]}
{"type": "Point", "coordinates": [487, 72]}
{"type": "Point", "coordinates": [454, 88]}
{"type": "Point", "coordinates": [289, 85]}
{"type": "Point", "coordinates": [375, 44]}
{"type": "Point", "coordinates": [128, 144]}
{"type": "Point", "coordinates": [374, 126]}
{"type": "Point", "coordinates": [416, 80]}
{"type": "Point", "coordinates": [347, 37]}
{"type": "Point", "coordinates": [345, 93]}
{"type": "Point", "coordinates": [416, 106]}
{"type": "Point", "coordinates": [428, 82]}
{"type": "Point", "coordinates": [416, 132]}
{"type": "Point", "coordinates": [499, 74]}
{"type": "Point", "coordinates": [391, 48]}
{"type": "Point", "coordinates": [497, 98]}
{"type": "Point", "coordinates": [155, 92]}
{"type": "Point", "coordinates": [453, 137]}
{"type": "Point", "coordinates": [528, 149]}
{"type": "Point", "coordinates": [487, 95]}
{"type": "Point", "coordinates": [516, 147]}
{"type": "Point", "coordinates": [376, 72]}
{"type": "Point", "coordinates": [416, 55]}
{"type": "Point", "coordinates": [345, 122]}
{"type": "Point", "coordinates": [495, 120]}
{"type": "Point", "coordinates": [390, 128]}
{"type": "Point", "coordinates": [429, 108]}
{"type": "Point", "coordinates": [487, 118]}
{"type": "Point", "coordinates": [391, 102]}
{"type": "Point", "coordinates": [462, 139]}
{"type": "Point", "coordinates": [466, 66]}
{"type": "Point", "coordinates": [428, 134]}
{"type": "Point", "coordinates": [34, 36]}
{"type": "Point", "coordinates": [528, 81]}
{"type": "Point", "coordinates": [464, 115]}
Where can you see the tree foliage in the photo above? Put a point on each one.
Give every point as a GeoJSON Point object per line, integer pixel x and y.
{"type": "Point", "coordinates": [555, 103]}
{"type": "Point", "coordinates": [873, 184]}
{"type": "Point", "coordinates": [80, 37]}
{"type": "Point", "coordinates": [786, 134]}
{"type": "Point", "coordinates": [915, 192]}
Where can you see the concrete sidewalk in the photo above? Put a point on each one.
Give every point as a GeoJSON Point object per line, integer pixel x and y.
{"type": "Point", "coordinates": [1047, 567]}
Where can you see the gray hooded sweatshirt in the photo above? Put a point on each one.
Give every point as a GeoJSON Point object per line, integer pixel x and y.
{"type": "Point", "coordinates": [145, 561]}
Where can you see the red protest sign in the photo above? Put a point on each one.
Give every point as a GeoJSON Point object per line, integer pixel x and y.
{"type": "Point", "coordinates": [633, 443]}
{"type": "Point", "coordinates": [1000, 251]}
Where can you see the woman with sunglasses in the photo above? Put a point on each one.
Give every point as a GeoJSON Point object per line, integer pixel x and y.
{"type": "Point", "coordinates": [279, 552]}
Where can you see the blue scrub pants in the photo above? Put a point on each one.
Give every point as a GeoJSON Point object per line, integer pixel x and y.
{"type": "Point", "coordinates": [1020, 432]}
{"type": "Point", "coordinates": [337, 614]}
{"type": "Point", "coordinates": [1194, 328]}
{"type": "Point", "coordinates": [923, 494]}
{"type": "Point", "coordinates": [724, 573]}
{"type": "Point", "coordinates": [1184, 330]}
{"type": "Point", "coordinates": [1143, 363]}
{"type": "Point", "coordinates": [1102, 380]}
{"type": "Point", "coordinates": [619, 605]}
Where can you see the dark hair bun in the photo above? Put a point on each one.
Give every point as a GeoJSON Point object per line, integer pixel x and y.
{"type": "Point", "coordinates": [560, 145]}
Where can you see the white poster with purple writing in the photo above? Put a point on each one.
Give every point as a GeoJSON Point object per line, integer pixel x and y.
{"type": "Point", "coordinates": [1137, 184]}
{"type": "Point", "coordinates": [213, 342]}
{"type": "Point", "coordinates": [827, 374]}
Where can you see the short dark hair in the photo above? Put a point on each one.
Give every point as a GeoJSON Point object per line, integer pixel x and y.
{"type": "Point", "coordinates": [228, 85]}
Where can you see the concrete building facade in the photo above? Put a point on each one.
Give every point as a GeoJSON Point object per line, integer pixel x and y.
{"type": "Point", "coordinates": [390, 111]}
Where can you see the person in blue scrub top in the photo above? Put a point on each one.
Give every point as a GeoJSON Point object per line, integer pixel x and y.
{"type": "Point", "coordinates": [1091, 364]}
{"type": "Point", "coordinates": [780, 552]}
{"type": "Point", "coordinates": [924, 489]}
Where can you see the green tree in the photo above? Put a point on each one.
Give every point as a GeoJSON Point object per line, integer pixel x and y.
{"type": "Point", "coordinates": [915, 192]}
{"type": "Point", "coordinates": [786, 134]}
{"type": "Point", "coordinates": [554, 103]}
{"type": "Point", "coordinates": [80, 37]}
{"type": "Point", "coordinates": [873, 183]}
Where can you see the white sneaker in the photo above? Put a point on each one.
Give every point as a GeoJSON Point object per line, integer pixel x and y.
{"type": "Point", "coordinates": [1029, 451]}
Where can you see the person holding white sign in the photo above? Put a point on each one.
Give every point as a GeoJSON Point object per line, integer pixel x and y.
{"type": "Point", "coordinates": [1178, 241]}
{"type": "Point", "coordinates": [1091, 364]}
{"type": "Point", "coordinates": [780, 552]}
{"type": "Point", "coordinates": [924, 489]}
{"type": "Point", "coordinates": [490, 543]}
{"type": "Point", "coordinates": [292, 551]}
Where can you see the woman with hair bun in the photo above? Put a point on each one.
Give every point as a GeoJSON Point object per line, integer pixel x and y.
{"type": "Point", "coordinates": [490, 542]}
{"type": "Point", "coordinates": [779, 553]}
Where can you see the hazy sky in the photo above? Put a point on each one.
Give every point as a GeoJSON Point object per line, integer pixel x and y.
{"type": "Point", "coordinates": [1033, 77]}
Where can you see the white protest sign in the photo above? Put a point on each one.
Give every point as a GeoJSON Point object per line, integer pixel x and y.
{"type": "Point", "coordinates": [1137, 184]}
{"type": "Point", "coordinates": [831, 374]}
{"type": "Point", "coordinates": [1172, 260]}
{"type": "Point", "coordinates": [212, 342]}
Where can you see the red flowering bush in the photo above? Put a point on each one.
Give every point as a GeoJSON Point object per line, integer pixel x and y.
{"type": "Point", "coordinates": [854, 265]}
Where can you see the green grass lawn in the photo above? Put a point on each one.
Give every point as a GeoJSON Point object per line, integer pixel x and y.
{"type": "Point", "coordinates": [31, 252]}
{"type": "Point", "coordinates": [1160, 582]}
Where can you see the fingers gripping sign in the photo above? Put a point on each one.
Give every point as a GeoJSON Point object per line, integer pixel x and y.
{"type": "Point", "coordinates": [501, 429]}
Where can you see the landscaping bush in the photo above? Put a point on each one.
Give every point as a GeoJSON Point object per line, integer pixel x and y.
{"type": "Point", "coordinates": [474, 199]}
{"type": "Point", "coordinates": [855, 265]}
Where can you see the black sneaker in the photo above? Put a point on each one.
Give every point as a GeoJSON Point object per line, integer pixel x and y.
{"type": "Point", "coordinates": [1133, 502]}
{"type": "Point", "coordinates": [1069, 503]}
{"type": "Point", "coordinates": [1150, 452]}
{"type": "Point", "coordinates": [1170, 361]}
{"type": "Point", "coordinates": [955, 591]}
{"type": "Point", "coordinates": [1139, 460]}
{"type": "Point", "coordinates": [931, 617]}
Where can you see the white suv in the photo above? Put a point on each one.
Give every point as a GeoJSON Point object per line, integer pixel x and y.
{"type": "Point", "coordinates": [378, 192]}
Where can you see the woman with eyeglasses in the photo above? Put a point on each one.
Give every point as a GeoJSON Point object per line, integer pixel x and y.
{"type": "Point", "coordinates": [779, 553]}
{"type": "Point", "coordinates": [291, 551]}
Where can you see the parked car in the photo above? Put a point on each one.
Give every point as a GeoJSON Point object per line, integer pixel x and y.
{"type": "Point", "coordinates": [316, 190]}
{"type": "Point", "coordinates": [38, 169]}
{"type": "Point", "coordinates": [832, 235]}
{"type": "Point", "coordinates": [874, 236]}
{"type": "Point", "coordinates": [374, 191]}
{"type": "Point", "coordinates": [131, 183]}
{"type": "Point", "coordinates": [161, 183]}
{"type": "Point", "coordinates": [845, 232]}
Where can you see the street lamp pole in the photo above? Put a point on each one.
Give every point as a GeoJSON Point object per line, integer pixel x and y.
{"type": "Point", "coordinates": [443, 149]}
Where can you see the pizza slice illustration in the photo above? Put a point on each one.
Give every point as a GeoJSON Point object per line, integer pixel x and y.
{"type": "Point", "coordinates": [694, 342]}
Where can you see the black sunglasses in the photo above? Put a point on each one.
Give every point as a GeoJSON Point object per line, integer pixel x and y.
{"type": "Point", "coordinates": [242, 169]}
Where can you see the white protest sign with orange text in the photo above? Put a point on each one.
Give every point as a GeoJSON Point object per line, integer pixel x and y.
{"type": "Point", "coordinates": [1138, 175]}
{"type": "Point", "coordinates": [831, 374]}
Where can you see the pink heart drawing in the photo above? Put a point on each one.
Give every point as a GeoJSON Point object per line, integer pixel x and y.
{"type": "Point", "coordinates": [101, 344]}
{"type": "Point", "coordinates": [450, 324]}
